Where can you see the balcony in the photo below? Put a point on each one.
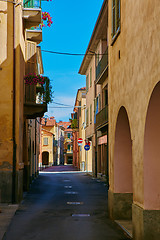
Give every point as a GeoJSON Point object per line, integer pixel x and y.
{"type": "Point", "coordinates": [34, 35]}
{"type": "Point", "coordinates": [102, 68]}
{"type": "Point", "coordinates": [75, 124]}
{"type": "Point", "coordinates": [31, 13]}
{"type": "Point", "coordinates": [102, 117]}
{"type": "Point", "coordinates": [32, 107]}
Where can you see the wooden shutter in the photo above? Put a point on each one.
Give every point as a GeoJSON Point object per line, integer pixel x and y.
{"type": "Point", "coordinates": [117, 15]}
{"type": "Point", "coordinates": [87, 83]}
{"type": "Point", "coordinates": [113, 18]}
{"type": "Point", "coordinates": [90, 77]}
{"type": "Point", "coordinates": [91, 113]}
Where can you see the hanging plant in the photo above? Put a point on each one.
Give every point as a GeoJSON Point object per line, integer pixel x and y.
{"type": "Point", "coordinates": [33, 79]}
{"type": "Point", "coordinates": [43, 86]}
{"type": "Point", "coordinates": [46, 17]}
{"type": "Point", "coordinates": [47, 92]}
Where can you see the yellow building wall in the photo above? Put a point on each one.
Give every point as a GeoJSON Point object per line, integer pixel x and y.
{"type": "Point", "coordinates": [6, 100]}
{"type": "Point", "coordinates": [133, 77]}
{"type": "Point", "coordinates": [49, 147]}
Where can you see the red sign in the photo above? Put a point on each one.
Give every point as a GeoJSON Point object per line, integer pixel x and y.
{"type": "Point", "coordinates": [87, 142]}
{"type": "Point", "coordinates": [80, 140]}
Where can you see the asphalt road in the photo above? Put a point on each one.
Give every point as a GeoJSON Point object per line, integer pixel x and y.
{"type": "Point", "coordinates": [64, 206]}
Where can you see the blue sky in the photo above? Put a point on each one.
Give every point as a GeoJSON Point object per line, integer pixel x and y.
{"type": "Point", "coordinates": [73, 23]}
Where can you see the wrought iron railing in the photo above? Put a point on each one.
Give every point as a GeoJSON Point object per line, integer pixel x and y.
{"type": "Point", "coordinates": [103, 63]}
{"type": "Point", "coordinates": [32, 3]}
{"type": "Point", "coordinates": [102, 117]}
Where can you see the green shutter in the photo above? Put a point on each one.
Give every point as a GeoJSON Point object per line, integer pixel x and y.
{"type": "Point", "coordinates": [90, 77]}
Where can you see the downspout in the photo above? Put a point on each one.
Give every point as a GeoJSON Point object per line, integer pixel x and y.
{"type": "Point", "coordinates": [14, 112]}
{"type": "Point", "coordinates": [95, 94]}
{"type": "Point", "coordinates": [14, 108]}
{"type": "Point", "coordinates": [35, 150]}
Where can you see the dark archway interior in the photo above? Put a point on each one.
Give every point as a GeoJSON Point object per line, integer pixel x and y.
{"type": "Point", "coordinates": [152, 152]}
{"type": "Point", "coordinates": [123, 154]}
{"type": "Point", "coordinates": [45, 158]}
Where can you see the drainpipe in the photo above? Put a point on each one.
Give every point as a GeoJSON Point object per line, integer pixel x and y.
{"type": "Point", "coordinates": [14, 112]}
{"type": "Point", "coordinates": [14, 108]}
{"type": "Point", "coordinates": [35, 156]}
{"type": "Point", "coordinates": [95, 93]}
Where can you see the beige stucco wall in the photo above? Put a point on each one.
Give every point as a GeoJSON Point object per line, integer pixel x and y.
{"type": "Point", "coordinates": [49, 148]}
{"type": "Point", "coordinates": [6, 98]}
{"type": "Point", "coordinates": [82, 157]}
{"type": "Point", "coordinates": [90, 98]}
{"type": "Point", "coordinates": [132, 79]}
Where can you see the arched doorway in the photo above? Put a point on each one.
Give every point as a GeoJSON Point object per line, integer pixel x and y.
{"type": "Point", "coordinates": [45, 158]}
{"type": "Point", "coordinates": [122, 196]}
{"type": "Point", "coordinates": [152, 153]}
{"type": "Point", "coordinates": [123, 154]}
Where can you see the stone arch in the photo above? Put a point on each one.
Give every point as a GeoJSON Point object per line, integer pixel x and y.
{"type": "Point", "coordinates": [123, 154]}
{"type": "Point", "coordinates": [45, 158]}
{"type": "Point", "coordinates": [152, 152]}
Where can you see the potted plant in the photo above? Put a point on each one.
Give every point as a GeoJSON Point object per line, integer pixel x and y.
{"type": "Point", "coordinates": [42, 85]}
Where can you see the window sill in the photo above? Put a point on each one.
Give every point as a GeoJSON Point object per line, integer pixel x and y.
{"type": "Point", "coordinates": [114, 38]}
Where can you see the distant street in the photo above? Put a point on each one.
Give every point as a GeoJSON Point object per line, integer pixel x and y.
{"type": "Point", "coordinates": [64, 206]}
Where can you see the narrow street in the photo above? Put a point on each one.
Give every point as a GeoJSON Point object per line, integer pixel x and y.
{"type": "Point", "coordinates": [64, 206]}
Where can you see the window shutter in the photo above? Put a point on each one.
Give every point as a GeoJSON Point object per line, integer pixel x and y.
{"type": "Point", "coordinates": [87, 84]}
{"type": "Point", "coordinates": [45, 141]}
{"type": "Point", "coordinates": [91, 113]}
{"type": "Point", "coordinates": [117, 14]}
{"type": "Point", "coordinates": [113, 17]}
{"type": "Point", "coordinates": [90, 77]}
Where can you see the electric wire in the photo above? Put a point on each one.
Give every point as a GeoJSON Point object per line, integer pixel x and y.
{"type": "Point", "coordinates": [73, 54]}
{"type": "Point", "coordinates": [62, 104]}
{"type": "Point", "coordinates": [66, 53]}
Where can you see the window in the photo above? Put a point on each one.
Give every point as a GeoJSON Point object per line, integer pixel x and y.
{"type": "Point", "coordinates": [45, 141]}
{"type": "Point", "coordinates": [90, 113]}
{"type": "Point", "coordinates": [68, 147]}
{"type": "Point", "coordinates": [97, 58]}
{"type": "Point", "coordinates": [87, 83]}
{"type": "Point", "coordinates": [95, 104]}
{"type": "Point", "coordinates": [68, 135]}
{"type": "Point", "coordinates": [87, 117]}
{"type": "Point", "coordinates": [99, 102]}
{"type": "Point", "coordinates": [115, 17]}
{"type": "Point", "coordinates": [106, 97]}
{"type": "Point", "coordinates": [79, 109]}
{"type": "Point", "coordinates": [90, 77]}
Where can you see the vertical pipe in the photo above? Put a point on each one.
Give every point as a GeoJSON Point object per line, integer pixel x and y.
{"type": "Point", "coordinates": [95, 93]}
{"type": "Point", "coordinates": [35, 156]}
{"type": "Point", "coordinates": [14, 112]}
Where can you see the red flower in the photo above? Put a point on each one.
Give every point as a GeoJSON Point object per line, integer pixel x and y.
{"type": "Point", "coordinates": [46, 17]}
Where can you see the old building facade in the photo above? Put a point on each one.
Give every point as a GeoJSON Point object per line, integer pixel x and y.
{"type": "Point", "coordinates": [133, 30]}
{"type": "Point", "coordinates": [19, 134]}
{"type": "Point", "coordinates": [126, 37]}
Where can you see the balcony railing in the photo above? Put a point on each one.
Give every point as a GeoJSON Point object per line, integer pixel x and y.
{"type": "Point", "coordinates": [32, 13]}
{"type": "Point", "coordinates": [102, 117]}
{"type": "Point", "coordinates": [34, 34]}
{"type": "Point", "coordinates": [32, 4]}
{"type": "Point", "coordinates": [33, 107]}
{"type": "Point", "coordinates": [102, 65]}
